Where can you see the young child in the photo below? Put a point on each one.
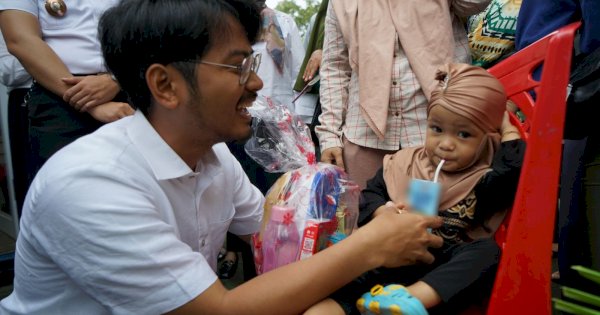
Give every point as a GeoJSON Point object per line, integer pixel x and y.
{"type": "Point", "coordinates": [468, 128]}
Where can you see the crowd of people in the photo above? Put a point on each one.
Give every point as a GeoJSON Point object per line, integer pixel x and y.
{"type": "Point", "coordinates": [127, 121]}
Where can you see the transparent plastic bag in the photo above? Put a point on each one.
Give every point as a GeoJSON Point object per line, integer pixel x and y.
{"type": "Point", "coordinates": [316, 199]}
{"type": "Point", "coordinates": [280, 141]}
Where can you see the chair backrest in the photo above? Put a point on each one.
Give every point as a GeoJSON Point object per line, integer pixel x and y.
{"type": "Point", "coordinates": [522, 283]}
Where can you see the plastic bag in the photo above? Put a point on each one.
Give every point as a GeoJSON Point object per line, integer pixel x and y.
{"type": "Point", "coordinates": [311, 206]}
{"type": "Point", "coordinates": [280, 141]}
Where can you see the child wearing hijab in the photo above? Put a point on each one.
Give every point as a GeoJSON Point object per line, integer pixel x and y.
{"type": "Point", "coordinates": [469, 129]}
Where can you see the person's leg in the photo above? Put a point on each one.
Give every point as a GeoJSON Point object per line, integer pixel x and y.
{"type": "Point", "coordinates": [18, 130]}
{"type": "Point", "coordinates": [343, 301]}
{"type": "Point", "coordinates": [52, 125]}
{"type": "Point", "coordinates": [591, 194]}
{"type": "Point", "coordinates": [425, 293]}
{"type": "Point", "coordinates": [362, 163]}
{"type": "Point", "coordinates": [384, 289]}
{"type": "Point", "coordinates": [571, 221]}
{"type": "Point", "coordinates": [467, 275]}
{"type": "Point", "coordinates": [325, 307]}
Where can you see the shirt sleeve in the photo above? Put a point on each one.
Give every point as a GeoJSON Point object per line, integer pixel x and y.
{"type": "Point", "coordinates": [335, 75]}
{"type": "Point", "coordinates": [29, 6]}
{"type": "Point", "coordinates": [12, 73]}
{"type": "Point", "coordinates": [496, 190]}
{"type": "Point", "coordinates": [372, 197]}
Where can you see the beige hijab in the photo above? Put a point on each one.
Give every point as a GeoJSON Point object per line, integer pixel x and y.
{"type": "Point", "coordinates": [470, 92]}
{"type": "Point", "coordinates": [424, 29]}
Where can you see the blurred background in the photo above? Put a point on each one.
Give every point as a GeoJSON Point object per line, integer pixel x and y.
{"type": "Point", "coordinates": [300, 10]}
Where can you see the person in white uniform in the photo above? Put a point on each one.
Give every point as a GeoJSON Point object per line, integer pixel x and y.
{"type": "Point", "coordinates": [130, 219]}
{"type": "Point", "coordinates": [282, 51]}
{"type": "Point", "coordinates": [57, 43]}
{"type": "Point", "coordinates": [17, 81]}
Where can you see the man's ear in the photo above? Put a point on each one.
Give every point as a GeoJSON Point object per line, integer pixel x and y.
{"type": "Point", "coordinates": [166, 85]}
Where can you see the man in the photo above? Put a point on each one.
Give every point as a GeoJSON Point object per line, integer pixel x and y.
{"type": "Point", "coordinates": [579, 208]}
{"type": "Point", "coordinates": [72, 95]}
{"type": "Point", "coordinates": [280, 46]}
{"type": "Point", "coordinates": [130, 219]}
{"type": "Point", "coordinates": [377, 73]}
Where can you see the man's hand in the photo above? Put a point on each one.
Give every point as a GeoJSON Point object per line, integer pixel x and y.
{"type": "Point", "coordinates": [401, 239]}
{"type": "Point", "coordinates": [111, 111]}
{"type": "Point", "coordinates": [313, 64]}
{"type": "Point", "coordinates": [333, 156]}
{"type": "Point", "coordinates": [89, 91]}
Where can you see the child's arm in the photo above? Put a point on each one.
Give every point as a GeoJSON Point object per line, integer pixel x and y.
{"type": "Point", "coordinates": [496, 190]}
{"type": "Point", "coordinates": [373, 198]}
{"type": "Point", "coordinates": [508, 131]}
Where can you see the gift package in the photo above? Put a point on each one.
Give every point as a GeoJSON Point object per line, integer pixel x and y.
{"type": "Point", "coordinates": [311, 206]}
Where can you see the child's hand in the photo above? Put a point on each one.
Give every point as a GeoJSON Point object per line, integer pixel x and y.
{"type": "Point", "coordinates": [508, 131]}
{"type": "Point", "coordinates": [391, 207]}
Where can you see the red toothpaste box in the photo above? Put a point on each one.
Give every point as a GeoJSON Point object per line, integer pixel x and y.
{"type": "Point", "coordinates": [316, 236]}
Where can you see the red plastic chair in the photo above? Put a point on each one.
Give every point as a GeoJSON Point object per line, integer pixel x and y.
{"type": "Point", "coordinates": [522, 283]}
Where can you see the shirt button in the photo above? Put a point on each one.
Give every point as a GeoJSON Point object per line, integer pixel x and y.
{"type": "Point", "coordinates": [397, 114]}
{"type": "Point", "coordinates": [394, 82]}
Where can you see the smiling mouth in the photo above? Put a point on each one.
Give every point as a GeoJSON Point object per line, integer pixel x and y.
{"type": "Point", "coordinates": [247, 102]}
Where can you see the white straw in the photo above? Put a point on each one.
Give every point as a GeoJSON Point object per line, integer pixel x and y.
{"type": "Point", "coordinates": [437, 171]}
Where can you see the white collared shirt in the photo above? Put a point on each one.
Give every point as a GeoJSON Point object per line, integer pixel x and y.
{"type": "Point", "coordinates": [279, 86]}
{"type": "Point", "coordinates": [73, 37]}
{"type": "Point", "coordinates": [12, 73]}
{"type": "Point", "coordinates": [117, 223]}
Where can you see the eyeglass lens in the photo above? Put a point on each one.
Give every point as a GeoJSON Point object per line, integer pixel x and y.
{"type": "Point", "coordinates": [250, 63]}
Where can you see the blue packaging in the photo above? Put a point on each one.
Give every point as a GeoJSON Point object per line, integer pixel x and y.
{"type": "Point", "coordinates": [424, 196]}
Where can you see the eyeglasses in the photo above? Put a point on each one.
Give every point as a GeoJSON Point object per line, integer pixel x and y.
{"type": "Point", "coordinates": [249, 64]}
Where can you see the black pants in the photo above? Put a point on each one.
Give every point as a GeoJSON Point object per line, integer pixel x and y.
{"type": "Point", "coordinates": [462, 274]}
{"type": "Point", "coordinates": [52, 125]}
{"type": "Point", "coordinates": [18, 133]}
{"type": "Point", "coordinates": [591, 199]}
{"type": "Point", "coordinates": [257, 175]}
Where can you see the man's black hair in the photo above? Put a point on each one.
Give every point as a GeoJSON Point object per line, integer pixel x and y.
{"type": "Point", "coordinates": [138, 33]}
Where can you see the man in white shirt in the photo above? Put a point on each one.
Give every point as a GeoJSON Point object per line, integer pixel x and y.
{"type": "Point", "coordinates": [130, 219]}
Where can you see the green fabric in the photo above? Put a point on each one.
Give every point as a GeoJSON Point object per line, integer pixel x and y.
{"type": "Point", "coordinates": [492, 32]}
{"type": "Point", "coordinates": [315, 43]}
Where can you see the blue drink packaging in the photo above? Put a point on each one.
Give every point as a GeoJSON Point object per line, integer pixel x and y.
{"type": "Point", "coordinates": [424, 195]}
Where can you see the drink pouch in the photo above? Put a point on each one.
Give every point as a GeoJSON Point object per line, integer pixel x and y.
{"type": "Point", "coordinates": [424, 196]}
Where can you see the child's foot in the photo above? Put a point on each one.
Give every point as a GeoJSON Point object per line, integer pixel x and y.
{"type": "Point", "coordinates": [390, 300]}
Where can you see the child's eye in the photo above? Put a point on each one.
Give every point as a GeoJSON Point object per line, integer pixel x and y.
{"type": "Point", "coordinates": [463, 134]}
{"type": "Point", "coordinates": [435, 128]}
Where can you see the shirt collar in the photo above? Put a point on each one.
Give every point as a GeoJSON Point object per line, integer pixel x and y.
{"type": "Point", "coordinates": [164, 162]}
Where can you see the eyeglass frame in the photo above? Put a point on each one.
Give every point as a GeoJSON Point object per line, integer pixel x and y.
{"type": "Point", "coordinates": [255, 60]}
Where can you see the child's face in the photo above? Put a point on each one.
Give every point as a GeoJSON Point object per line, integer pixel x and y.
{"type": "Point", "coordinates": [453, 138]}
